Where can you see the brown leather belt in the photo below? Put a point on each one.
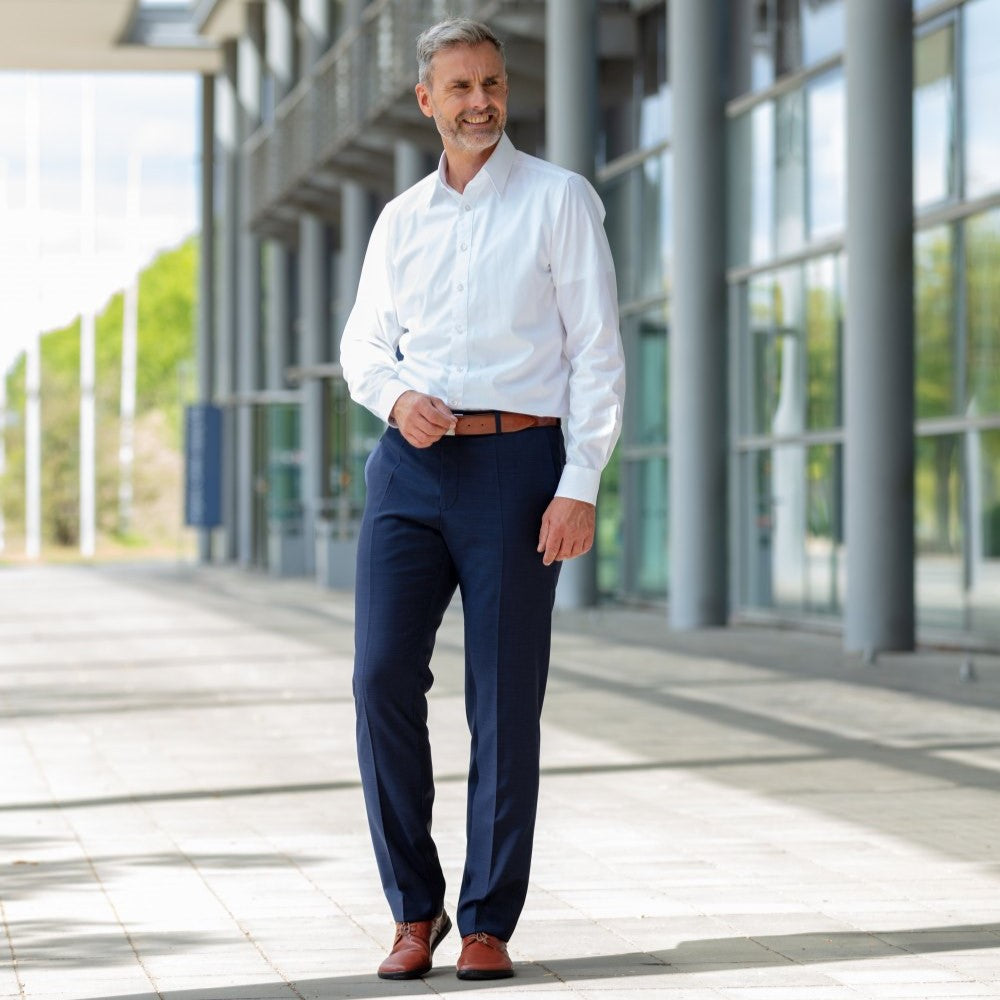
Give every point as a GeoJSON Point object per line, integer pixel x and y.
{"type": "Point", "coordinates": [498, 422]}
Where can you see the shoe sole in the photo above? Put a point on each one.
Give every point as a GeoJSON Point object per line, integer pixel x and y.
{"type": "Point", "coordinates": [480, 974]}
{"type": "Point", "coordinates": [418, 973]}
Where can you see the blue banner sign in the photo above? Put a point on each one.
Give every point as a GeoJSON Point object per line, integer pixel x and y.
{"type": "Point", "coordinates": [203, 466]}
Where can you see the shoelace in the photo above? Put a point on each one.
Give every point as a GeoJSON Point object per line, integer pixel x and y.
{"type": "Point", "coordinates": [405, 929]}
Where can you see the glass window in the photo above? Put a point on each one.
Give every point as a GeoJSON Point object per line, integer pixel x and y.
{"type": "Point", "coordinates": [608, 541]}
{"type": "Point", "coordinates": [638, 227]}
{"type": "Point", "coordinates": [651, 78]}
{"type": "Point", "coordinates": [936, 376]}
{"type": "Point", "coordinates": [652, 554]}
{"type": "Point", "coordinates": [776, 339]}
{"type": "Point", "coordinates": [771, 38]}
{"type": "Point", "coordinates": [824, 541]}
{"type": "Point", "coordinates": [776, 559]}
{"type": "Point", "coordinates": [983, 487]}
{"type": "Point", "coordinates": [824, 339]}
{"type": "Point", "coordinates": [934, 116]}
{"type": "Point", "coordinates": [938, 516]}
{"type": "Point", "coordinates": [982, 276]}
{"type": "Point", "coordinates": [982, 96]}
{"type": "Point", "coordinates": [649, 380]}
{"type": "Point", "coordinates": [827, 155]}
{"type": "Point", "coordinates": [284, 463]}
{"type": "Point", "coordinates": [790, 172]}
{"type": "Point", "coordinates": [752, 50]}
{"type": "Point", "coordinates": [822, 29]}
{"type": "Point", "coordinates": [751, 186]}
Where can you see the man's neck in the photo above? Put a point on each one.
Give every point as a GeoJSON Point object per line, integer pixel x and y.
{"type": "Point", "coordinates": [460, 167]}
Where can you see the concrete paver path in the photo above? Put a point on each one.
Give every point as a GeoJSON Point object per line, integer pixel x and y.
{"type": "Point", "coordinates": [743, 813]}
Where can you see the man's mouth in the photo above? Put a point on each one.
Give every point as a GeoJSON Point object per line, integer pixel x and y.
{"type": "Point", "coordinates": [477, 119]}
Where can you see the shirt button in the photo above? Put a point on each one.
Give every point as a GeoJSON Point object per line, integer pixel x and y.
{"type": "Point", "coordinates": [465, 246]}
{"type": "Point", "coordinates": [468, 208]}
{"type": "Point", "coordinates": [461, 287]}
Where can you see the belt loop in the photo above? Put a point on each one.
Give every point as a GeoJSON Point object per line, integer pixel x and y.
{"type": "Point", "coordinates": [499, 422]}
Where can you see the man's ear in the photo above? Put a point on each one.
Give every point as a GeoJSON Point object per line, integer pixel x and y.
{"type": "Point", "coordinates": [424, 100]}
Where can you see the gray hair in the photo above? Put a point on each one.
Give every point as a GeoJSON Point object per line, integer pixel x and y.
{"type": "Point", "coordinates": [449, 33]}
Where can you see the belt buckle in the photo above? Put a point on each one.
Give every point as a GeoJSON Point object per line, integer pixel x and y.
{"type": "Point", "coordinates": [451, 430]}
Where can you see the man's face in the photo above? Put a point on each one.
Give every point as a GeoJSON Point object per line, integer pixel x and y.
{"type": "Point", "coordinates": [466, 95]}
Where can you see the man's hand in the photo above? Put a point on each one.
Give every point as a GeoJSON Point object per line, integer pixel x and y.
{"type": "Point", "coordinates": [421, 419]}
{"type": "Point", "coordinates": [567, 529]}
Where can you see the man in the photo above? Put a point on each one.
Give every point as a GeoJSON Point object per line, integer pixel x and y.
{"type": "Point", "coordinates": [486, 316]}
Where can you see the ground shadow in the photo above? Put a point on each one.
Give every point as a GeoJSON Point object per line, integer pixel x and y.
{"type": "Point", "coordinates": [736, 955]}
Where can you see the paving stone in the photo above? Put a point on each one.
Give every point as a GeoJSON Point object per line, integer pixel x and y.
{"type": "Point", "coordinates": [725, 814]}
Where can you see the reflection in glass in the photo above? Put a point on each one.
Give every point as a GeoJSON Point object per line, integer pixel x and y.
{"type": "Point", "coordinates": [938, 527]}
{"type": "Point", "coordinates": [794, 552]}
{"type": "Point", "coordinates": [936, 377]}
{"type": "Point", "coordinates": [788, 525]}
{"type": "Point", "coordinates": [638, 228]}
{"type": "Point", "coordinates": [822, 29]}
{"type": "Point", "coordinates": [751, 186]}
{"type": "Point", "coordinates": [983, 487]}
{"type": "Point", "coordinates": [649, 381]}
{"type": "Point", "coordinates": [771, 38]}
{"type": "Point", "coordinates": [608, 541]}
{"type": "Point", "coordinates": [284, 463]}
{"type": "Point", "coordinates": [790, 170]}
{"type": "Point", "coordinates": [652, 556]}
{"type": "Point", "coordinates": [824, 542]}
{"type": "Point", "coordinates": [934, 116]}
{"type": "Point", "coordinates": [751, 46]}
{"type": "Point", "coordinates": [982, 96]}
{"type": "Point", "coordinates": [651, 78]}
{"type": "Point", "coordinates": [776, 324]}
{"type": "Point", "coordinates": [827, 155]}
{"type": "Point", "coordinates": [824, 337]}
{"type": "Point", "coordinates": [982, 254]}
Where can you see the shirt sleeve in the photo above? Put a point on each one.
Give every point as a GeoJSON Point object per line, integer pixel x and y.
{"type": "Point", "coordinates": [371, 336]}
{"type": "Point", "coordinates": [583, 273]}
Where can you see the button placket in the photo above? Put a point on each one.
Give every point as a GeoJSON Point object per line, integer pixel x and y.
{"type": "Point", "coordinates": [460, 307]}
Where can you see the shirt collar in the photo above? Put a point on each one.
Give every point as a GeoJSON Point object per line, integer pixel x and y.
{"type": "Point", "coordinates": [497, 169]}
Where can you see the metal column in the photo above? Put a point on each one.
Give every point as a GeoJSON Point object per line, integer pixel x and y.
{"type": "Point", "coordinates": [697, 337]}
{"type": "Point", "coordinates": [206, 271]}
{"type": "Point", "coordinates": [570, 138]}
{"type": "Point", "coordinates": [879, 410]}
{"type": "Point", "coordinates": [314, 299]}
{"type": "Point", "coordinates": [249, 290]}
{"type": "Point", "coordinates": [410, 165]}
{"type": "Point", "coordinates": [225, 380]}
{"type": "Point", "coordinates": [279, 41]}
{"type": "Point", "coordinates": [286, 555]}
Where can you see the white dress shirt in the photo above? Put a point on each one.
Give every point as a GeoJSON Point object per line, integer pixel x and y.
{"type": "Point", "coordinates": [499, 298]}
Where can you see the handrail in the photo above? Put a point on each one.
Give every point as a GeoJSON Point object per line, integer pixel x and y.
{"type": "Point", "coordinates": [322, 126]}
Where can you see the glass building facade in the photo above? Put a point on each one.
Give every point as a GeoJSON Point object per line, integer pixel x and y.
{"type": "Point", "coordinates": [787, 281]}
{"type": "Point", "coordinates": [784, 101]}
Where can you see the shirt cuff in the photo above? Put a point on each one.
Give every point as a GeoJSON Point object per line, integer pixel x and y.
{"type": "Point", "coordinates": [579, 483]}
{"type": "Point", "coordinates": [387, 397]}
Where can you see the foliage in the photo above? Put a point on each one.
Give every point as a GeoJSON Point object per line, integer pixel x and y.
{"type": "Point", "coordinates": [165, 351]}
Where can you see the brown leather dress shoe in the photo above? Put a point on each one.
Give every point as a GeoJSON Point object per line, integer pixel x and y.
{"type": "Point", "coordinates": [484, 957]}
{"type": "Point", "coordinates": [413, 947]}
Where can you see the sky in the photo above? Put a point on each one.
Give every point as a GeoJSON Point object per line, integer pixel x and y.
{"type": "Point", "coordinates": [155, 116]}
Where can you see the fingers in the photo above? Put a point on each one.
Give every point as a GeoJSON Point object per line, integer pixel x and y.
{"type": "Point", "coordinates": [567, 530]}
{"type": "Point", "coordinates": [422, 419]}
